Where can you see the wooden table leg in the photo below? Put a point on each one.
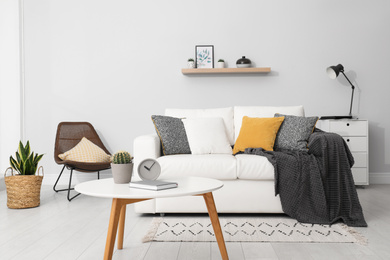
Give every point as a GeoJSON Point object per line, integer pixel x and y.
{"type": "Point", "coordinates": [121, 228]}
{"type": "Point", "coordinates": [209, 199]}
{"type": "Point", "coordinates": [118, 214]}
{"type": "Point", "coordinates": [116, 207]}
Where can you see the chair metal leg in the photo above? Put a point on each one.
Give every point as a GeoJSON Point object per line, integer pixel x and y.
{"type": "Point", "coordinates": [54, 187]}
{"type": "Point", "coordinates": [70, 183]}
{"type": "Point", "coordinates": [69, 187]}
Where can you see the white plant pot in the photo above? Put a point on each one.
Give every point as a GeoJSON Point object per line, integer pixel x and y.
{"type": "Point", "coordinates": [122, 172]}
{"type": "Point", "coordinates": [220, 65]}
{"type": "Point", "coordinates": [191, 65]}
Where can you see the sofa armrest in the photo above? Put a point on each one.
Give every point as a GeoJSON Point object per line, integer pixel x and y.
{"type": "Point", "coordinates": [145, 146]}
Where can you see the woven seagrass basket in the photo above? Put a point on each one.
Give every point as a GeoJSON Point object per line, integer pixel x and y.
{"type": "Point", "coordinates": [23, 191]}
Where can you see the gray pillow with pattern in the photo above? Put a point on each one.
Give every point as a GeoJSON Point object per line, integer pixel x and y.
{"type": "Point", "coordinates": [294, 132]}
{"type": "Point", "coordinates": [172, 135]}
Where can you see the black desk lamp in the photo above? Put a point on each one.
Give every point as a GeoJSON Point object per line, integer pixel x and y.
{"type": "Point", "coordinates": [333, 72]}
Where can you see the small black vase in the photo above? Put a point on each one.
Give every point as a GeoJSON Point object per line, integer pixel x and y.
{"type": "Point", "coordinates": [243, 62]}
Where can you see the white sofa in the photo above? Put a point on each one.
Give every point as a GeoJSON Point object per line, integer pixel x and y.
{"type": "Point", "coordinates": [248, 179]}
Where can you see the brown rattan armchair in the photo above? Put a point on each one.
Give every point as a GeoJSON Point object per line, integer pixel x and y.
{"type": "Point", "coordinates": [69, 134]}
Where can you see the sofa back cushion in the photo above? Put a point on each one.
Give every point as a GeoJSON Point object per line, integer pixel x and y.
{"type": "Point", "coordinates": [262, 111]}
{"type": "Point", "coordinates": [216, 166]}
{"type": "Point", "coordinates": [225, 113]}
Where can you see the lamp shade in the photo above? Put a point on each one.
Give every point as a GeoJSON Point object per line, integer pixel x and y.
{"type": "Point", "coordinates": [334, 71]}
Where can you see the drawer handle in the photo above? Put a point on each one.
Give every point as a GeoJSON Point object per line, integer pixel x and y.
{"type": "Point", "coordinates": [347, 124]}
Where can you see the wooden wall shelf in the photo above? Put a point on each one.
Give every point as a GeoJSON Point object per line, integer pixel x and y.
{"type": "Point", "coordinates": [226, 71]}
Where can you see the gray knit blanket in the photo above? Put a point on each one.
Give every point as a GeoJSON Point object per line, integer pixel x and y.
{"type": "Point", "coordinates": [317, 186]}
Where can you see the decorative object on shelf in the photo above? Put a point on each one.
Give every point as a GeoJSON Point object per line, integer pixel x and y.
{"type": "Point", "coordinates": [333, 72]}
{"type": "Point", "coordinates": [204, 55]}
{"type": "Point", "coordinates": [122, 167]}
{"type": "Point", "coordinates": [221, 64]}
{"type": "Point", "coordinates": [24, 188]}
{"type": "Point", "coordinates": [243, 62]}
{"type": "Point", "coordinates": [190, 63]}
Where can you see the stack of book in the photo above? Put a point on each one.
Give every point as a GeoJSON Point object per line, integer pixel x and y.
{"type": "Point", "coordinates": [153, 185]}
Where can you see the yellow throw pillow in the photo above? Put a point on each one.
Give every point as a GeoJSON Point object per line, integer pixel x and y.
{"type": "Point", "coordinates": [85, 151]}
{"type": "Point", "coordinates": [257, 132]}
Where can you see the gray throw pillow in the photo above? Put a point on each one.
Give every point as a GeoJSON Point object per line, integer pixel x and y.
{"type": "Point", "coordinates": [294, 132]}
{"type": "Point", "coordinates": [172, 135]}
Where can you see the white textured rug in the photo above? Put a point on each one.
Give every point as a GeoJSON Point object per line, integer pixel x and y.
{"type": "Point", "coordinates": [252, 229]}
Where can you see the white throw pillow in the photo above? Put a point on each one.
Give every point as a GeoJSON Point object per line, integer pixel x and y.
{"type": "Point", "coordinates": [225, 113]}
{"type": "Point", "coordinates": [207, 135]}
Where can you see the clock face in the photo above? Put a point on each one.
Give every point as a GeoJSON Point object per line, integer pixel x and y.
{"type": "Point", "coordinates": [149, 169]}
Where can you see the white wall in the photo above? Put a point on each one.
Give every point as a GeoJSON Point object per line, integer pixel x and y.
{"type": "Point", "coordinates": [9, 83]}
{"type": "Point", "coordinates": [115, 63]}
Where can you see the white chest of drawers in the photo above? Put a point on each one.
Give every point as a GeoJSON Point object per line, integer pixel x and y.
{"type": "Point", "coordinates": [355, 133]}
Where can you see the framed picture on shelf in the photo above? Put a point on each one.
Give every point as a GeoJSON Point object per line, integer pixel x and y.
{"type": "Point", "coordinates": [204, 56]}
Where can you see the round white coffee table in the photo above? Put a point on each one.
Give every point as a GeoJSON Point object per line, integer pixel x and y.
{"type": "Point", "coordinates": [122, 195]}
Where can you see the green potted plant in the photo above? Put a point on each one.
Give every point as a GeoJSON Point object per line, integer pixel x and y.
{"type": "Point", "coordinates": [221, 63]}
{"type": "Point", "coordinates": [24, 188]}
{"type": "Point", "coordinates": [122, 167]}
{"type": "Point", "coordinates": [190, 63]}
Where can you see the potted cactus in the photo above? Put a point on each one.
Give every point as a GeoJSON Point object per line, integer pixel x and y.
{"type": "Point", "coordinates": [221, 63]}
{"type": "Point", "coordinates": [122, 167]}
{"type": "Point", "coordinates": [24, 188]}
{"type": "Point", "coordinates": [190, 63]}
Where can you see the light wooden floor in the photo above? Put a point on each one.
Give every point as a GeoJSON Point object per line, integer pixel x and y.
{"type": "Point", "coordinates": [77, 230]}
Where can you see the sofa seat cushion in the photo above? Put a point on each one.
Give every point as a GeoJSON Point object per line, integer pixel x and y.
{"type": "Point", "coordinates": [217, 166]}
{"type": "Point", "coordinates": [254, 167]}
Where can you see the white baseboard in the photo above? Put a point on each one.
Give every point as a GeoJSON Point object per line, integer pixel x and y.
{"type": "Point", "coordinates": [2, 184]}
{"type": "Point", "coordinates": [78, 177]}
{"type": "Point", "coordinates": [380, 178]}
